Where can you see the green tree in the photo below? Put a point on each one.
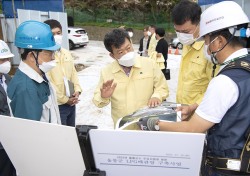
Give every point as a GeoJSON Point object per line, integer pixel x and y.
{"type": "Point", "coordinates": [74, 4]}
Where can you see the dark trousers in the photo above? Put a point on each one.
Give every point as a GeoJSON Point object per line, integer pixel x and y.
{"type": "Point", "coordinates": [67, 114]}
{"type": "Point", "coordinates": [6, 166]}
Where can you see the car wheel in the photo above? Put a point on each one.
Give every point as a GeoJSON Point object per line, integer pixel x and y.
{"type": "Point", "coordinates": [71, 45]}
{"type": "Point", "coordinates": [179, 46]}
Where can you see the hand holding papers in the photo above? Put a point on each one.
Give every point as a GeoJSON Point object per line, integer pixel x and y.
{"type": "Point", "coordinates": [70, 92]}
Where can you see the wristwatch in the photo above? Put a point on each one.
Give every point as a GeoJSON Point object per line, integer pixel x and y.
{"type": "Point", "coordinates": [157, 127]}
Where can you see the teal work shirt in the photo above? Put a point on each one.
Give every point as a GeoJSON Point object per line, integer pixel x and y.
{"type": "Point", "coordinates": [27, 96]}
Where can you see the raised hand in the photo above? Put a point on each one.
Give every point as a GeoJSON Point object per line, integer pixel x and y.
{"type": "Point", "coordinates": [108, 88]}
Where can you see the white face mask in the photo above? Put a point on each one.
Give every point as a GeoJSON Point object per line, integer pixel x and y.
{"type": "Point", "coordinates": [58, 39]}
{"type": "Point", "coordinates": [5, 67]}
{"type": "Point", "coordinates": [209, 56]}
{"type": "Point", "coordinates": [47, 66]}
{"type": "Point", "coordinates": [186, 39]}
{"type": "Point", "coordinates": [127, 60]}
{"type": "Point", "coordinates": [130, 34]}
{"type": "Point", "coordinates": [149, 33]}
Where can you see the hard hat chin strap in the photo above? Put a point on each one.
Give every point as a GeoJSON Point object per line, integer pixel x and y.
{"type": "Point", "coordinates": [43, 74]}
{"type": "Point", "coordinates": [213, 54]}
{"type": "Point", "coordinates": [36, 58]}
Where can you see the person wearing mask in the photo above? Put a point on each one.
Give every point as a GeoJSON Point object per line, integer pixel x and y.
{"type": "Point", "coordinates": [64, 71]}
{"type": "Point", "coordinates": [130, 32]}
{"type": "Point", "coordinates": [195, 69]}
{"type": "Point", "coordinates": [129, 82]}
{"type": "Point", "coordinates": [30, 93]}
{"type": "Point", "coordinates": [144, 43]}
{"type": "Point", "coordinates": [161, 47]}
{"type": "Point", "coordinates": [224, 111]}
{"type": "Point", "coordinates": [6, 166]}
{"type": "Point", "coordinates": [153, 41]}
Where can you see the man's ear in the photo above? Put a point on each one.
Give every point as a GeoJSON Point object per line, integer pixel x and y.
{"type": "Point", "coordinates": [222, 40]}
{"type": "Point", "coordinates": [112, 55]}
{"type": "Point", "coordinates": [31, 57]}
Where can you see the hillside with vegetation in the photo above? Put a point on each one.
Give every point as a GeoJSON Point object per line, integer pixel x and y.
{"type": "Point", "coordinates": [115, 13]}
{"type": "Point", "coordinates": [98, 16]}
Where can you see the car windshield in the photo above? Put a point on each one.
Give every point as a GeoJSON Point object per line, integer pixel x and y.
{"type": "Point", "coordinates": [80, 31]}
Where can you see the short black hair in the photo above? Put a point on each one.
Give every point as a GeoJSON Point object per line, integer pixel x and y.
{"type": "Point", "coordinates": [115, 38]}
{"type": "Point", "coordinates": [53, 24]}
{"type": "Point", "coordinates": [186, 10]}
{"type": "Point", "coordinates": [129, 30]}
{"type": "Point", "coordinates": [25, 53]}
{"type": "Point", "coordinates": [160, 32]}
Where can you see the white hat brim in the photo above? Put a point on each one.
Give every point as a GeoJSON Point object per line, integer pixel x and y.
{"type": "Point", "coordinates": [7, 56]}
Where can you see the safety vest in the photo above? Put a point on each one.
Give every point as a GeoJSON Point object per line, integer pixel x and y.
{"type": "Point", "coordinates": [229, 139]}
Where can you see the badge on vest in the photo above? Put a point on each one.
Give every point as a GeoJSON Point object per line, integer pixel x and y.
{"type": "Point", "coordinates": [233, 164]}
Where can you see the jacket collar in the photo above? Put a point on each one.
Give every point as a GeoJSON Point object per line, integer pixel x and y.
{"type": "Point", "coordinates": [198, 45]}
{"type": "Point", "coordinates": [2, 90]}
{"type": "Point", "coordinates": [6, 81]}
{"type": "Point", "coordinates": [31, 73]}
{"type": "Point", "coordinates": [195, 46]}
{"type": "Point", "coordinates": [7, 78]}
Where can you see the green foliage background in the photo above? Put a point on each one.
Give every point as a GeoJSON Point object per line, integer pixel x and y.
{"type": "Point", "coordinates": [122, 13]}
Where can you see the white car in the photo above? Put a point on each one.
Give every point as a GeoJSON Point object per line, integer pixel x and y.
{"type": "Point", "coordinates": [175, 43]}
{"type": "Point", "coordinates": [77, 37]}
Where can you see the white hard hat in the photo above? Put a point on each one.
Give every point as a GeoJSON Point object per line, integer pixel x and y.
{"type": "Point", "coordinates": [5, 51]}
{"type": "Point", "coordinates": [220, 16]}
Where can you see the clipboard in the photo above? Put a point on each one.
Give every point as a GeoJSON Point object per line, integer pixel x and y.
{"type": "Point", "coordinates": [69, 87]}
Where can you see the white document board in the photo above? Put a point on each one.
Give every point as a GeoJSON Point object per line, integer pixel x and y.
{"type": "Point", "coordinates": [41, 149]}
{"type": "Point", "coordinates": [147, 153]}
